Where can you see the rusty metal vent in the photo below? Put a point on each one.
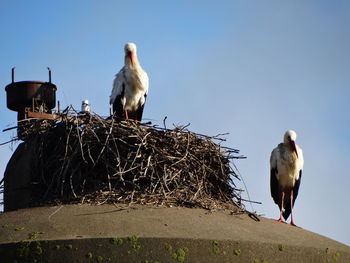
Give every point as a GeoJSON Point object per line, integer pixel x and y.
{"type": "Point", "coordinates": [21, 95]}
{"type": "Point", "coordinates": [29, 97]}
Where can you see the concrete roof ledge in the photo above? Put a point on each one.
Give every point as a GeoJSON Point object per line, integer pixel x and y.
{"type": "Point", "coordinates": [108, 233]}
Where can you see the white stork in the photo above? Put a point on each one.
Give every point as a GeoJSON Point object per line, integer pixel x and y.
{"type": "Point", "coordinates": [130, 87]}
{"type": "Point", "coordinates": [286, 164]}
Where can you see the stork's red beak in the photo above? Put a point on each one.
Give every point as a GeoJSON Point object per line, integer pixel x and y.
{"type": "Point", "coordinates": [294, 148]}
{"type": "Point", "coordinates": [131, 56]}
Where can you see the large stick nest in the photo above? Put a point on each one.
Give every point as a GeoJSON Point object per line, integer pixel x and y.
{"type": "Point", "coordinates": [89, 159]}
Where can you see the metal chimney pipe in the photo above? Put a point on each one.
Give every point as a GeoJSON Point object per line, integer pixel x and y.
{"type": "Point", "coordinates": [49, 74]}
{"type": "Point", "coordinates": [13, 74]}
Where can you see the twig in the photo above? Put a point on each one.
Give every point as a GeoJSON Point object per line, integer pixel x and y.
{"type": "Point", "coordinates": [97, 160]}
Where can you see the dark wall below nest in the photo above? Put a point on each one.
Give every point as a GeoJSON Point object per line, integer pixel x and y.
{"type": "Point", "coordinates": [17, 192]}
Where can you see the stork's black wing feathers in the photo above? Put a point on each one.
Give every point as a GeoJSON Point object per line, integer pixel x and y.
{"type": "Point", "coordinates": [137, 114]}
{"type": "Point", "coordinates": [274, 187]}
{"type": "Point", "coordinates": [118, 107]}
{"type": "Point", "coordinates": [296, 187]}
{"type": "Point", "coordinates": [139, 111]}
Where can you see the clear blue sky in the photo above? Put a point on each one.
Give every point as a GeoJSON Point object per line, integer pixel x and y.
{"type": "Point", "coordinates": [250, 68]}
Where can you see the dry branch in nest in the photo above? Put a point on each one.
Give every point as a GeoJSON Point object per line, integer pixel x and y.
{"type": "Point", "coordinates": [89, 159]}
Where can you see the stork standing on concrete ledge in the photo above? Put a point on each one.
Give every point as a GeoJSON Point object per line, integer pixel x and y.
{"type": "Point", "coordinates": [286, 164]}
{"type": "Point", "coordinates": [130, 87]}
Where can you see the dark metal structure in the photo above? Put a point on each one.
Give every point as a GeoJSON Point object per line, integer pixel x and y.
{"type": "Point", "coordinates": [31, 99]}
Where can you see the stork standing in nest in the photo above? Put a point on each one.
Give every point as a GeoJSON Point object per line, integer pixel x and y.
{"type": "Point", "coordinates": [130, 87]}
{"type": "Point", "coordinates": [286, 163]}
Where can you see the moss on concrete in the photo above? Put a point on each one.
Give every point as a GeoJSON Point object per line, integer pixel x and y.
{"type": "Point", "coordinates": [152, 250]}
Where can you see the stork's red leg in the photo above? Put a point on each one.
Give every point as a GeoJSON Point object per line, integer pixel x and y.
{"type": "Point", "coordinates": [281, 209]}
{"type": "Point", "coordinates": [126, 115]}
{"type": "Point", "coordinates": [291, 211]}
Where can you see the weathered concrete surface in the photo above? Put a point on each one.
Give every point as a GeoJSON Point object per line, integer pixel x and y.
{"type": "Point", "coordinates": [202, 235]}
